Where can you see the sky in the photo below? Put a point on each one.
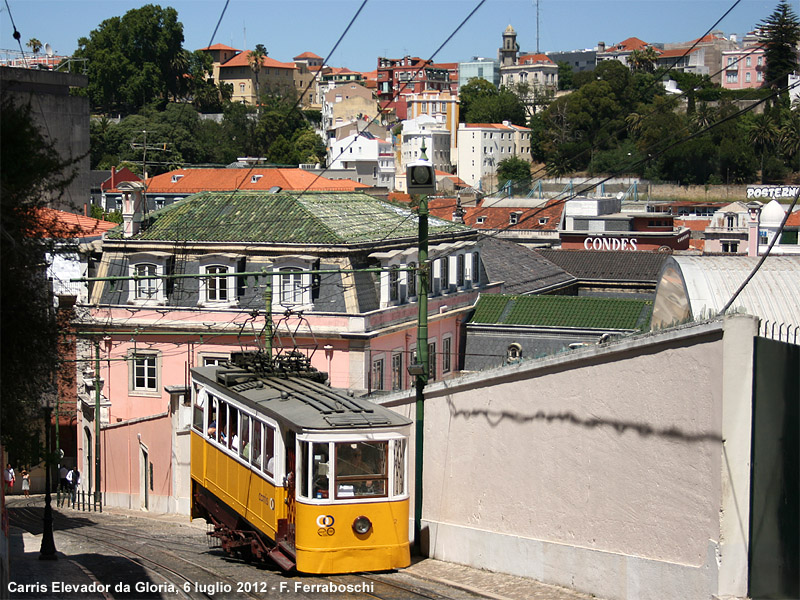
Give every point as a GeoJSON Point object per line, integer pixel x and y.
{"type": "Point", "coordinates": [393, 28]}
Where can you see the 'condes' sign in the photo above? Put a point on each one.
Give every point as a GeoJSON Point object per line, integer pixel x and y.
{"type": "Point", "coordinates": [594, 243]}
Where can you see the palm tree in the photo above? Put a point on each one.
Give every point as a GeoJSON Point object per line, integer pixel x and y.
{"type": "Point", "coordinates": [35, 45]}
{"type": "Point", "coordinates": [763, 135]}
{"type": "Point", "coordinates": [256, 60]}
{"type": "Point", "coordinates": [790, 135]}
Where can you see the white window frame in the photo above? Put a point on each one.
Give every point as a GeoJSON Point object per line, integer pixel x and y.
{"type": "Point", "coordinates": [298, 296]}
{"type": "Point", "coordinates": [138, 262]}
{"type": "Point", "coordinates": [153, 359]}
{"type": "Point", "coordinates": [218, 261]}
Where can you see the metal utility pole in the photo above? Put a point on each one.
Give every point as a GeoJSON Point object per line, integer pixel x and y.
{"type": "Point", "coordinates": [421, 181]}
{"type": "Point", "coordinates": [47, 550]}
{"type": "Point", "coordinates": [422, 358]}
{"type": "Point", "coordinates": [97, 497]}
{"type": "Point", "coordinates": [162, 147]}
{"type": "Point", "coordinates": [537, 26]}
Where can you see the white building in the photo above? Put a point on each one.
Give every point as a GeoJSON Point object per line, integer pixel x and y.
{"type": "Point", "coordinates": [370, 157]}
{"type": "Point", "coordinates": [481, 147]}
{"type": "Point", "coordinates": [434, 135]}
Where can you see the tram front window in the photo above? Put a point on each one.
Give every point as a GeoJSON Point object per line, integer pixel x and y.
{"type": "Point", "coordinates": [361, 469]}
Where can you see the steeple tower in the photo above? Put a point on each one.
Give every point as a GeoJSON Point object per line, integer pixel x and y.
{"type": "Point", "coordinates": [507, 55]}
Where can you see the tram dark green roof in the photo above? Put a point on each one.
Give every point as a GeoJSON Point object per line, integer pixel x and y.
{"type": "Point", "coordinates": [304, 403]}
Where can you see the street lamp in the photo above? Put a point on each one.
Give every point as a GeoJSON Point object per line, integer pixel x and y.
{"type": "Point", "coordinates": [48, 549]}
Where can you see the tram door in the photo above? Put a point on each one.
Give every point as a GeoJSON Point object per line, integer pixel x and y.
{"type": "Point", "coordinates": [291, 482]}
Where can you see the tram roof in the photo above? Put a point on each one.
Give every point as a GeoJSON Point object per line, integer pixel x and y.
{"type": "Point", "coordinates": [301, 401]}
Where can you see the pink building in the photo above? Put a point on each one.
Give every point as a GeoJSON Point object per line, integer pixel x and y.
{"type": "Point", "coordinates": [357, 325]}
{"type": "Point", "coordinates": [743, 68]}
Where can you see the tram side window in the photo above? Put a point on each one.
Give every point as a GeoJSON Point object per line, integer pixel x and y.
{"type": "Point", "coordinates": [222, 422]}
{"type": "Point", "coordinates": [197, 412]}
{"type": "Point", "coordinates": [213, 413]}
{"type": "Point", "coordinates": [399, 467]}
{"type": "Point", "coordinates": [361, 469]}
{"type": "Point", "coordinates": [319, 471]}
{"type": "Point", "coordinates": [302, 472]}
{"type": "Point", "coordinates": [313, 476]}
{"type": "Point", "coordinates": [256, 449]}
{"type": "Point", "coordinates": [233, 431]}
{"type": "Point", "coordinates": [269, 450]}
{"type": "Point", "coordinates": [244, 437]}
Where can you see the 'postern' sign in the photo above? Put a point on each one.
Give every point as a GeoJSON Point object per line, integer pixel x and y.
{"type": "Point", "coordinates": [772, 191]}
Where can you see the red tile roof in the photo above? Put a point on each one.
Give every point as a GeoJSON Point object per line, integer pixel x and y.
{"type": "Point", "coordinates": [307, 55]}
{"type": "Point", "coordinates": [454, 178]}
{"type": "Point", "coordinates": [499, 217]}
{"type": "Point", "coordinates": [124, 174]}
{"type": "Point", "coordinates": [693, 224]}
{"type": "Point", "coordinates": [677, 52]}
{"type": "Point", "coordinates": [209, 180]}
{"type": "Point", "coordinates": [793, 220]}
{"type": "Point", "coordinates": [534, 58]}
{"type": "Point", "coordinates": [627, 45]}
{"type": "Point", "coordinates": [220, 47]}
{"type": "Point", "coordinates": [64, 225]}
{"type": "Point", "coordinates": [496, 126]}
{"type": "Point", "coordinates": [243, 60]}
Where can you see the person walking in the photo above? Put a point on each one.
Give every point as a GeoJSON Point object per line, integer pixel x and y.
{"type": "Point", "coordinates": [9, 478]}
{"type": "Point", "coordinates": [26, 483]}
{"type": "Point", "coordinates": [62, 478]}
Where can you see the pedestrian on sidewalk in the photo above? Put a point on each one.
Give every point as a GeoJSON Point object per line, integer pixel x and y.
{"type": "Point", "coordinates": [26, 483]}
{"type": "Point", "coordinates": [9, 478]}
{"type": "Point", "coordinates": [62, 476]}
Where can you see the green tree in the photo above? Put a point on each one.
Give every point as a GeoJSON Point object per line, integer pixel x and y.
{"type": "Point", "coordinates": [643, 60]}
{"type": "Point", "coordinates": [471, 91]}
{"type": "Point", "coordinates": [32, 174]}
{"type": "Point", "coordinates": [134, 59]}
{"type": "Point", "coordinates": [763, 135]}
{"type": "Point", "coordinates": [517, 171]}
{"type": "Point", "coordinates": [779, 34]}
{"type": "Point", "coordinates": [565, 76]}
{"type": "Point", "coordinates": [256, 61]}
{"type": "Point", "coordinates": [35, 45]}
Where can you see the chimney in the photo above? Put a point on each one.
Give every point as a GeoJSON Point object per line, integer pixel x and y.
{"type": "Point", "coordinates": [754, 220]}
{"type": "Point", "coordinates": [113, 177]}
{"type": "Point", "coordinates": [601, 46]}
{"type": "Point", "coordinates": [132, 207]}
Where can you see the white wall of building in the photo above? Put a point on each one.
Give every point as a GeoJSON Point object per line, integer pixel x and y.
{"type": "Point", "coordinates": [621, 470]}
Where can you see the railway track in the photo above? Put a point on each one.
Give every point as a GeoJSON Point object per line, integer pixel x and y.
{"type": "Point", "coordinates": [158, 563]}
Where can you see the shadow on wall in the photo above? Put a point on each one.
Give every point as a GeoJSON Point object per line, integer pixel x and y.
{"type": "Point", "coordinates": [495, 417]}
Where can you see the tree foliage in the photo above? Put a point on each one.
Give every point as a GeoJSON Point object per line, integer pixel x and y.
{"type": "Point", "coordinates": [32, 174]}
{"type": "Point", "coordinates": [134, 59]}
{"type": "Point", "coordinates": [779, 34]}
{"type": "Point", "coordinates": [482, 102]}
{"type": "Point", "coordinates": [515, 170]}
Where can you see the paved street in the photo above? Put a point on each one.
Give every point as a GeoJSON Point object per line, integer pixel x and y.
{"type": "Point", "coordinates": [128, 554]}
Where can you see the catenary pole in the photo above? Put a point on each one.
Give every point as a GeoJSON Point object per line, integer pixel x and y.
{"type": "Point", "coordinates": [422, 358]}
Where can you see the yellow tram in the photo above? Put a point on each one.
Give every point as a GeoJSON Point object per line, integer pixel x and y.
{"type": "Point", "coordinates": [290, 470]}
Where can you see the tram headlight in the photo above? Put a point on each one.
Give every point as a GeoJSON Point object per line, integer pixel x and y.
{"type": "Point", "coordinates": [362, 525]}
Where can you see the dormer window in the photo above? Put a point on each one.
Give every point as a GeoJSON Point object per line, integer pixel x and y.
{"type": "Point", "coordinates": [480, 220]}
{"type": "Point", "coordinates": [176, 178]}
{"type": "Point", "coordinates": [513, 218]}
{"type": "Point", "coordinates": [146, 270]}
{"type": "Point", "coordinates": [255, 178]}
{"type": "Point", "coordinates": [544, 220]}
{"type": "Point", "coordinates": [145, 289]}
{"type": "Point", "coordinates": [218, 287]}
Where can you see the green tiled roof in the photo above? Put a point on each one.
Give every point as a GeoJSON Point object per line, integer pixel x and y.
{"type": "Point", "coordinates": [284, 217]}
{"type": "Point", "coordinates": [562, 311]}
